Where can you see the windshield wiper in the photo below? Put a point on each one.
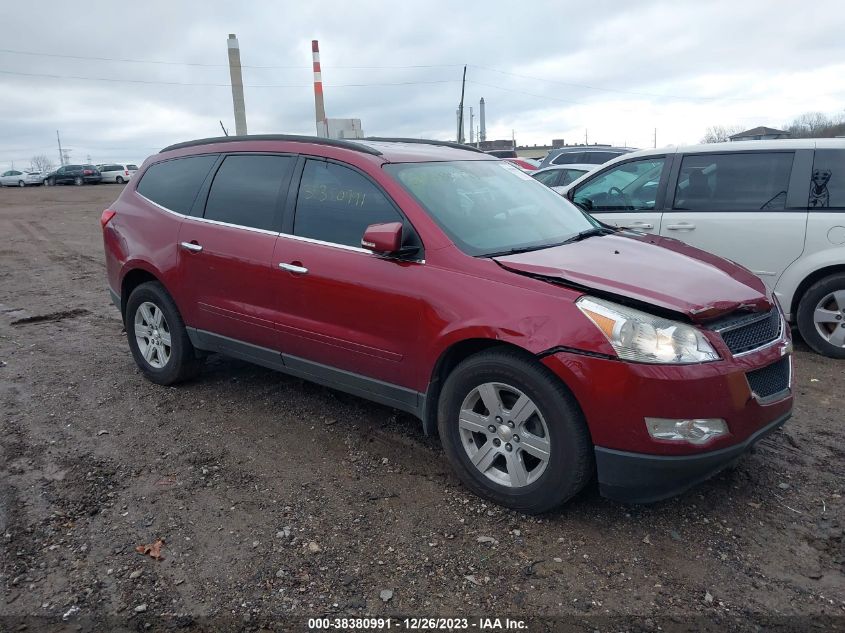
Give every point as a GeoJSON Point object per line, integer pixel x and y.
{"type": "Point", "coordinates": [593, 232]}
{"type": "Point", "coordinates": [521, 249]}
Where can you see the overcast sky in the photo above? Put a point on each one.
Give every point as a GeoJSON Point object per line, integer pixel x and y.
{"type": "Point", "coordinates": [546, 69]}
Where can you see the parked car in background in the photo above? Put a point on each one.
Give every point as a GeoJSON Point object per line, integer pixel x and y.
{"type": "Point", "coordinates": [525, 164]}
{"type": "Point", "coordinates": [17, 178]}
{"type": "Point", "coordinates": [74, 175]}
{"type": "Point", "coordinates": [587, 154]}
{"type": "Point", "coordinates": [558, 177]}
{"type": "Point", "coordinates": [502, 153]}
{"type": "Point", "coordinates": [119, 173]}
{"type": "Point", "coordinates": [777, 207]}
{"type": "Point", "coordinates": [543, 346]}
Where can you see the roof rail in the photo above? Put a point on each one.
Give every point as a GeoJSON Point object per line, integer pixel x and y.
{"type": "Point", "coordinates": [357, 147]}
{"type": "Point", "coordinates": [420, 141]}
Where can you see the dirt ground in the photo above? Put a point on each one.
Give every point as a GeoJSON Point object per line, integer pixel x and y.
{"type": "Point", "coordinates": [280, 499]}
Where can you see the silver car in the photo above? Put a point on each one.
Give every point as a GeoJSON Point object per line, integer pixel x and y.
{"type": "Point", "coordinates": [17, 178]}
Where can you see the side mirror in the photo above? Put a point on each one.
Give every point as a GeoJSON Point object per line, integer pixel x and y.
{"type": "Point", "coordinates": [383, 239]}
{"type": "Point", "coordinates": [570, 195]}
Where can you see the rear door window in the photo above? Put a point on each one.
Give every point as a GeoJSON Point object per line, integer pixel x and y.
{"type": "Point", "coordinates": [733, 182]}
{"type": "Point", "coordinates": [246, 191]}
{"type": "Point", "coordinates": [336, 204]}
{"type": "Point", "coordinates": [174, 184]}
{"type": "Point", "coordinates": [549, 178]}
{"type": "Point", "coordinates": [598, 158]}
{"type": "Point", "coordinates": [630, 186]}
{"type": "Point", "coordinates": [827, 185]}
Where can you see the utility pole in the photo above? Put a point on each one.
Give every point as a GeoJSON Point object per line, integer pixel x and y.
{"type": "Point", "coordinates": [237, 84]}
{"type": "Point", "coordinates": [655, 138]}
{"type": "Point", "coordinates": [471, 126]}
{"type": "Point", "coordinates": [585, 138]}
{"type": "Point", "coordinates": [461, 108]}
{"type": "Point", "coordinates": [61, 153]}
{"type": "Point", "coordinates": [513, 139]}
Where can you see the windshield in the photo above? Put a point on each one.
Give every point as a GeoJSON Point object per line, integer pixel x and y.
{"type": "Point", "coordinates": [491, 207]}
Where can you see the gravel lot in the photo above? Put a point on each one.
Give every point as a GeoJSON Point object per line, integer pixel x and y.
{"type": "Point", "coordinates": [278, 498]}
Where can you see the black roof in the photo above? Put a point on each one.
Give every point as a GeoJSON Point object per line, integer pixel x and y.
{"type": "Point", "coordinates": [358, 145]}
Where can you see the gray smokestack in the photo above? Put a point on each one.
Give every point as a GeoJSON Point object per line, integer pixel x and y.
{"type": "Point", "coordinates": [482, 122]}
{"type": "Point", "coordinates": [237, 85]}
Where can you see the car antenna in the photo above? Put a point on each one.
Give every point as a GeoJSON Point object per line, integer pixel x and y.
{"type": "Point", "coordinates": [224, 129]}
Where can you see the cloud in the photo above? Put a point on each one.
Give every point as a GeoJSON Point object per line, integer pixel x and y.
{"type": "Point", "coordinates": [546, 69]}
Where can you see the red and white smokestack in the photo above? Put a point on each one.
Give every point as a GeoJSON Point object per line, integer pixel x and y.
{"type": "Point", "coordinates": [319, 105]}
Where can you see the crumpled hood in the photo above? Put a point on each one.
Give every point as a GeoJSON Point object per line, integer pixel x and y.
{"type": "Point", "coordinates": [656, 270]}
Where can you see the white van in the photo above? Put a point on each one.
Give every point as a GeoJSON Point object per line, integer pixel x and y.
{"type": "Point", "coordinates": [113, 172]}
{"type": "Point", "coordinates": [776, 207]}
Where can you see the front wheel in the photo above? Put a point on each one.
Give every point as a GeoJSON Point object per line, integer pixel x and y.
{"type": "Point", "coordinates": [513, 432]}
{"type": "Point", "coordinates": [21, 183]}
{"type": "Point", "coordinates": [157, 336]}
{"type": "Point", "coordinates": [49, 182]}
{"type": "Point", "coordinates": [821, 316]}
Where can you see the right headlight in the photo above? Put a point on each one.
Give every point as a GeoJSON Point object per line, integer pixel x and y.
{"type": "Point", "coordinates": [645, 338]}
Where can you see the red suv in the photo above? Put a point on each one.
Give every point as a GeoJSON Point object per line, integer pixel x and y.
{"type": "Point", "coordinates": [544, 346]}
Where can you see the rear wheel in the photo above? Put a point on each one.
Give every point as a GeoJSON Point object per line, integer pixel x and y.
{"type": "Point", "coordinates": [821, 316]}
{"type": "Point", "coordinates": [119, 180]}
{"type": "Point", "coordinates": [513, 432]}
{"type": "Point", "coordinates": [21, 183]}
{"type": "Point", "coordinates": [157, 336]}
{"type": "Point", "coordinates": [78, 181]}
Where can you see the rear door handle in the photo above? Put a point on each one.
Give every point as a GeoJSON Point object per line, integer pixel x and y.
{"type": "Point", "coordinates": [191, 246]}
{"type": "Point", "coordinates": [293, 268]}
{"type": "Point", "coordinates": [637, 225]}
{"type": "Point", "coordinates": [681, 226]}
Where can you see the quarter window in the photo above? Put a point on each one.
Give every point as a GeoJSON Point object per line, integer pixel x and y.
{"type": "Point", "coordinates": [827, 185]}
{"type": "Point", "coordinates": [174, 184]}
{"type": "Point", "coordinates": [630, 186]}
{"type": "Point", "coordinates": [336, 204]}
{"type": "Point", "coordinates": [246, 189]}
{"type": "Point", "coordinates": [733, 182]}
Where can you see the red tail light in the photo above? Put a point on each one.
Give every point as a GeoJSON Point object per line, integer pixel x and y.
{"type": "Point", "coordinates": [126, 172]}
{"type": "Point", "coordinates": [87, 172]}
{"type": "Point", "coordinates": [108, 214]}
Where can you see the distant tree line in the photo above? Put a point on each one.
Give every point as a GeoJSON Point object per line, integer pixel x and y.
{"type": "Point", "coordinates": [808, 125]}
{"type": "Point", "coordinates": [41, 163]}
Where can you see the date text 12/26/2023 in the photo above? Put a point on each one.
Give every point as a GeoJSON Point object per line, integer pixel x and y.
{"type": "Point", "coordinates": [417, 624]}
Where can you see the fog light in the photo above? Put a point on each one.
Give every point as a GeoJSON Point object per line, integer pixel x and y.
{"type": "Point", "coordinates": [695, 431]}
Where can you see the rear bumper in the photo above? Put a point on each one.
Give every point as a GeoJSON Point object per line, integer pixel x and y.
{"type": "Point", "coordinates": [642, 478]}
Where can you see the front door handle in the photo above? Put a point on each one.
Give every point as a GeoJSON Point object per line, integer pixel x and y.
{"type": "Point", "coordinates": [681, 226]}
{"type": "Point", "coordinates": [636, 225]}
{"type": "Point", "coordinates": [191, 246]}
{"type": "Point", "coordinates": [293, 268]}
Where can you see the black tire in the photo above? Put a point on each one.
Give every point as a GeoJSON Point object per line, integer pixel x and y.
{"type": "Point", "coordinates": [570, 463]}
{"type": "Point", "coordinates": [806, 310]}
{"type": "Point", "coordinates": [49, 182]}
{"type": "Point", "coordinates": [119, 180]}
{"type": "Point", "coordinates": [78, 181]}
{"type": "Point", "coordinates": [21, 183]}
{"type": "Point", "coordinates": [183, 362]}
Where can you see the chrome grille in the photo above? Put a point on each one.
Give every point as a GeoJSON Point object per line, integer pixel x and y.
{"type": "Point", "coordinates": [748, 332]}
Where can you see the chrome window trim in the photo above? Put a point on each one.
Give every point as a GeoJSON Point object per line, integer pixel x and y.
{"type": "Point", "coordinates": [345, 247]}
{"type": "Point", "coordinates": [233, 226]}
{"type": "Point", "coordinates": [156, 204]}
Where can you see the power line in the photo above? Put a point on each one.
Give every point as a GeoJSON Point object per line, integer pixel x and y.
{"type": "Point", "coordinates": [615, 90]}
{"type": "Point", "coordinates": [222, 85]}
{"type": "Point", "coordinates": [203, 65]}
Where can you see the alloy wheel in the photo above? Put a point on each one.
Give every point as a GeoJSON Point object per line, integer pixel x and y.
{"type": "Point", "coordinates": [504, 434]}
{"type": "Point", "coordinates": [829, 318]}
{"type": "Point", "coordinates": [152, 334]}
